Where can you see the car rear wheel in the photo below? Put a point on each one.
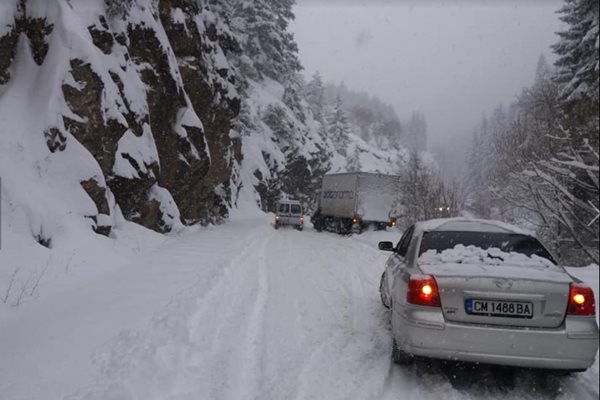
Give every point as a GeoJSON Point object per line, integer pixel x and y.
{"type": "Point", "coordinates": [568, 372]}
{"type": "Point", "coordinates": [401, 357]}
{"type": "Point", "coordinates": [381, 294]}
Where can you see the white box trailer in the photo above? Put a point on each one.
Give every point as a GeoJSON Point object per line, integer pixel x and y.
{"type": "Point", "coordinates": [357, 199]}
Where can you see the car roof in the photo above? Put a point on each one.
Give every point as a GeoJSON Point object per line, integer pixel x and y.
{"type": "Point", "coordinates": [288, 202]}
{"type": "Point", "coordinates": [469, 225]}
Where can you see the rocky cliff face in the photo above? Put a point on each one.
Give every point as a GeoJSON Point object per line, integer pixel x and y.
{"type": "Point", "coordinates": [169, 112]}
{"type": "Point", "coordinates": [142, 86]}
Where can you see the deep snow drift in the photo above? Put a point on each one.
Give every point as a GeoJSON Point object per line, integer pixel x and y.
{"type": "Point", "coordinates": [239, 311]}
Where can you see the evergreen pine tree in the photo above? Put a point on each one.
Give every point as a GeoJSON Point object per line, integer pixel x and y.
{"type": "Point", "coordinates": [294, 88]}
{"type": "Point", "coordinates": [354, 164]}
{"type": "Point", "coordinates": [270, 47]}
{"type": "Point", "coordinates": [315, 96]}
{"type": "Point", "coordinates": [339, 128]}
{"type": "Point", "coordinates": [577, 50]}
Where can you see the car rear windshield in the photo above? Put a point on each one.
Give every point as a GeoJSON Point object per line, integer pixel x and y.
{"type": "Point", "coordinates": [507, 242]}
{"type": "Point", "coordinates": [296, 209]}
{"type": "Point", "coordinates": [284, 208]}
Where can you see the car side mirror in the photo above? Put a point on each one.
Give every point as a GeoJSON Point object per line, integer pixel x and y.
{"type": "Point", "coordinates": [386, 246]}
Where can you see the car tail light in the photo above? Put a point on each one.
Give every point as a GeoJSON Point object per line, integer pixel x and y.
{"type": "Point", "coordinates": [393, 222]}
{"type": "Point", "coordinates": [301, 220]}
{"type": "Point", "coordinates": [277, 218]}
{"type": "Point", "coordinates": [423, 290]}
{"type": "Point", "coordinates": [355, 220]}
{"type": "Point", "coordinates": [581, 300]}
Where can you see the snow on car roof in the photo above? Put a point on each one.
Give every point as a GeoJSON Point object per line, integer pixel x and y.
{"type": "Point", "coordinates": [288, 202]}
{"type": "Point", "coordinates": [469, 225]}
{"type": "Point", "coordinates": [461, 254]}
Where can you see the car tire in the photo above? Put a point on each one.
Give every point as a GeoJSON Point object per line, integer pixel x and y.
{"type": "Point", "coordinates": [276, 226]}
{"type": "Point", "coordinates": [381, 294]}
{"type": "Point", "coordinates": [401, 357]}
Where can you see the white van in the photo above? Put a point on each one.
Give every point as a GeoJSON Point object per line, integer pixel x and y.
{"type": "Point", "coordinates": [289, 212]}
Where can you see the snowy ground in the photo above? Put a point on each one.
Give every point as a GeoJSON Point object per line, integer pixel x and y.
{"type": "Point", "coordinates": [240, 311]}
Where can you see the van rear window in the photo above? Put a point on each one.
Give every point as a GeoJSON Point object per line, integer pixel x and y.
{"type": "Point", "coordinates": [284, 208]}
{"type": "Point", "coordinates": [296, 209]}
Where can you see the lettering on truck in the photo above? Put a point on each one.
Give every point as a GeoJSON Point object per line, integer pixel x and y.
{"type": "Point", "coordinates": [338, 194]}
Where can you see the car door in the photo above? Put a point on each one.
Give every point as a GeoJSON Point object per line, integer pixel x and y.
{"type": "Point", "coordinates": [397, 261]}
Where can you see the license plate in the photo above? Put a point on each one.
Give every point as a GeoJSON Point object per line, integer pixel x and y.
{"type": "Point", "coordinates": [495, 308]}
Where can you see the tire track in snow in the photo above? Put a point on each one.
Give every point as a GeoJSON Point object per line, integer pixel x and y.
{"type": "Point", "coordinates": [227, 355]}
{"type": "Point", "coordinates": [250, 384]}
{"type": "Point", "coordinates": [185, 351]}
{"type": "Point", "coordinates": [346, 354]}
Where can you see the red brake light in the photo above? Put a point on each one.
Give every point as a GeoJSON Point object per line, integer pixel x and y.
{"type": "Point", "coordinates": [301, 220]}
{"type": "Point", "coordinates": [423, 290]}
{"type": "Point", "coordinates": [581, 300]}
{"type": "Point", "coordinates": [355, 220]}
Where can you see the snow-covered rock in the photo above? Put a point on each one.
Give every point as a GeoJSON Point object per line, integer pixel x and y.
{"type": "Point", "coordinates": [140, 90]}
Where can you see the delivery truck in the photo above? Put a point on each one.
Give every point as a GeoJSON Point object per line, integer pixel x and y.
{"type": "Point", "coordinates": [353, 201]}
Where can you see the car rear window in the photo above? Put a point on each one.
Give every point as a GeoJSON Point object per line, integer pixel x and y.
{"type": "Point", "coordinates": [296, 209]}
{"type": "Point", "coordinates": [507, 242]}
{"type": "Point", "coordinates": [284, 208]}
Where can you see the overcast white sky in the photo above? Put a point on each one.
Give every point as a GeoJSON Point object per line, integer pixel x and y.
{"type": "Point", "coordinates": [451, 60]}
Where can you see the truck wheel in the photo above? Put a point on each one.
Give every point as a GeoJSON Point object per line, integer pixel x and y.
{"type": "Point", "coordinates": [348, 227]}
{"type": "Point", "coordinates": [344, 226]}
{"type": "Point", "coordinates": [318, 224]}
{"type": "Point", "coordinates": [338, 226]}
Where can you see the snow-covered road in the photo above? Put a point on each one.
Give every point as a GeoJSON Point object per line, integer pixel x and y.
{"type": "Point", "coordinates": [242, 311]}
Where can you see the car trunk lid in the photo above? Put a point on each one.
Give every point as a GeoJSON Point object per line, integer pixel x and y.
{"type": "Point", "coordinates": [533, 295]}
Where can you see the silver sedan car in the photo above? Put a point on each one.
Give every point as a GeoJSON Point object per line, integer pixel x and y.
{"type": "Point", "coordinates": [483, 291]}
